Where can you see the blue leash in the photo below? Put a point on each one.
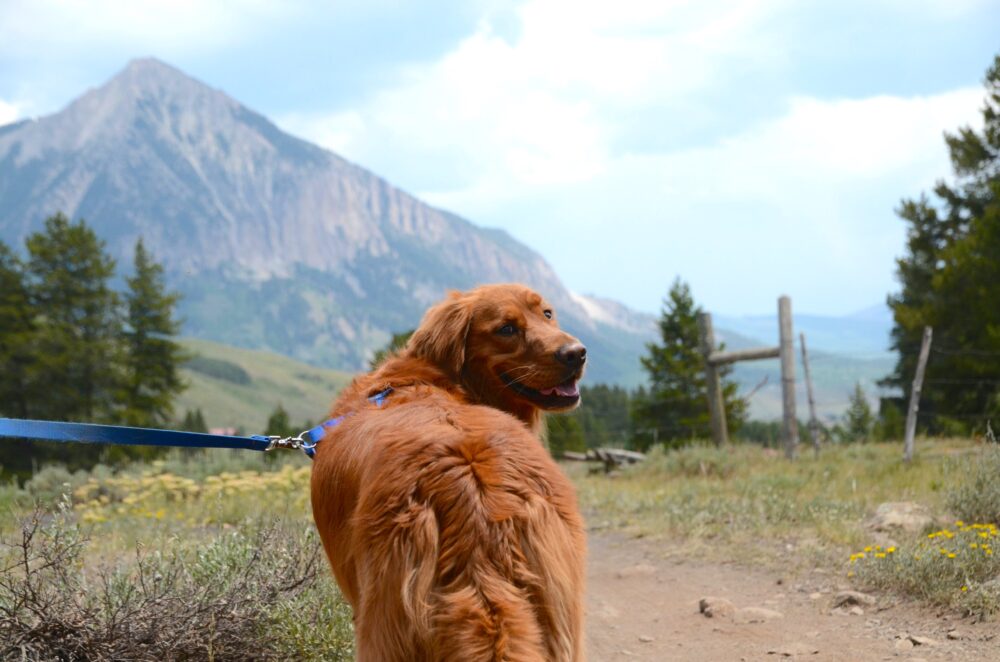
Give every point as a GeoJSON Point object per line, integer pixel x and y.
{"type": "Point", "coordinates": [89, 433]}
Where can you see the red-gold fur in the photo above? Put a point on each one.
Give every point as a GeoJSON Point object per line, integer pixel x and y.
{"type": "Point", "coordinates": [450, 530]}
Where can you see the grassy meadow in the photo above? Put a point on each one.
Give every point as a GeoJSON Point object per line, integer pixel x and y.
{"type": "Point", "coordinates": [213, 555]}
{"type": "Point", "coordinates": [239, 388]}
{"type": "Point", "coordinates": [748, 504]}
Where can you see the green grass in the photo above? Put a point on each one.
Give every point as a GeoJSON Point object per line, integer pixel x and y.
{"type": "Point", "coordinates": [749, 498]}
{"type": "Point", "coordinates": [954, 566]}
{"type": "Point", "coordinates": [748, 504]}
{"type": "Point", "coordinates": [305, 391]}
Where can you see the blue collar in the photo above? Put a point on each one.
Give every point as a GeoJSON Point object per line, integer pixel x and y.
{"type": "Point", "coordinates": [315, 435]}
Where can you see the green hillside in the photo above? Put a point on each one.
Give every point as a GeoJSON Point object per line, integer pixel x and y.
{"type": "Point", "coordinates": [834, 377]}
{"type": "Point", "coordinates": [241, 387]}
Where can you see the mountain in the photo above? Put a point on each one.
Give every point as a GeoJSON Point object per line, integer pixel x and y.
{"type": "Point", "coordinates": [274, 243]}
{"type": "Point", "coordinates": [843, 351]}
{"type": "Point", "coordinates": [864, 334]}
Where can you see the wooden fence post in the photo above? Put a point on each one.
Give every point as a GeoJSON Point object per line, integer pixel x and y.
{"type": "Point", "coordinates": [918, 382]}
{"type": "Point", "coordinates": [789, 424]}
{"type": "Point", "coordinates": [716, 407]}
{"type": "Point", "coordinates": [813, 423]}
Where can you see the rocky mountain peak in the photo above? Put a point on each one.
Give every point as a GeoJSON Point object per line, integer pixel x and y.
{"type": "Point", "coordinates": [248, 219]}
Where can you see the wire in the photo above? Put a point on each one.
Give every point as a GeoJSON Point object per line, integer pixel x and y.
{"type": "Point", "coordinates": [964, 352]}
{"type": "Point", "coordinates": [937, 414]}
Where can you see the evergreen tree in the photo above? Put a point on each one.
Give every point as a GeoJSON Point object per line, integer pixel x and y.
{"type": "Point", "coordinates": [890, 422]}
{"type": "Point", "coordinates": [604, 415]}
{"type": "Point", "coordinates": [152, 359]}
{"type": "Point", "coordinates": [564, 434]}
{"type": "Point", "coordinates": [950, 280]}
{"type": "Point", "coordinates": [395, 344]}
{"type": "Point", "coordinates": [78, 324]}
{"type": "Point", "coordinates": [677, 403]}
{"type": "Point", "coordinates": [194, 421]}
{"type": "Point", "coordinates": [279, 424]}
{"type": "Point", "coordinates": [858, 419]}
{"type": "Point", "coordinates": [16, 338]}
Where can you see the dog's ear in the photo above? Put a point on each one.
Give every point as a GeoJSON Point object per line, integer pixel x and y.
{"type": "Point", "coordinates": [443, 332]}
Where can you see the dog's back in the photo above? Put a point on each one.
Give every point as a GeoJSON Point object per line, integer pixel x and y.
{"type": "Point", "coordinates": [452, 532]}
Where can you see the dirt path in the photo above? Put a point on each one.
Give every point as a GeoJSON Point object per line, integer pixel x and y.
{"type": "Point", "coordinates": [644, 605]}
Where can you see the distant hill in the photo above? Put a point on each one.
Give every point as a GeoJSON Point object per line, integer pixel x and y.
{"type": "Point", "coordinates": [834, 377]}
{"type": "Point", "coordinates": [862, 334]}
{"type": "Point", "coordinates": [843, 351]}
{"type": "Point", "coordinates": [274, 242]}
{"type": "Point", "coordinates": [240, 388]}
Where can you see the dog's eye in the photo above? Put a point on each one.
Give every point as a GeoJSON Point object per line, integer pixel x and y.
{"type": "Point", "coordinates": [507, 330]}
{"type": "Point", "coordinates": [547, 313]}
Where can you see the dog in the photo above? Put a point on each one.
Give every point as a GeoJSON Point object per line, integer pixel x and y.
{"type": "Point", "coordinates": [450, 530]}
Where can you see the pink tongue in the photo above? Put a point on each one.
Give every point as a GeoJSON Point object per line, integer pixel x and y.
{"type": "Point", "coordinates": [566, 390]}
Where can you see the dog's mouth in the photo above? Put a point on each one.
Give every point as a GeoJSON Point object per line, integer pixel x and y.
{"type": "Point", "coordinates": [560, 396]}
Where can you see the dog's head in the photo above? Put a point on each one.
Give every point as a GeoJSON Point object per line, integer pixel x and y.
{"type": "Point", "coordinates": [503, 343]}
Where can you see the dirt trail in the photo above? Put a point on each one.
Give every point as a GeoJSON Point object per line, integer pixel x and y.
{"type": "Point", "coordinates": [643, 605]}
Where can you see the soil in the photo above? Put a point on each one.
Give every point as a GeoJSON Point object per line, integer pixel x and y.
{"type": "Point", "coordinates": [643, 604]}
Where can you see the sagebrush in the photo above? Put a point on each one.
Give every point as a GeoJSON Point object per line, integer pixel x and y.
{"type": "Point", "coordinates": [256, 592]}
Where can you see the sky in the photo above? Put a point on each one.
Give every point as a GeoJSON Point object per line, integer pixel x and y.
{"type": "Point", "coordinates": [751, 148]}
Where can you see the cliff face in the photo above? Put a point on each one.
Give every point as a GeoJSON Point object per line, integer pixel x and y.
{"type": "Point", "coordinates": [275, 242]}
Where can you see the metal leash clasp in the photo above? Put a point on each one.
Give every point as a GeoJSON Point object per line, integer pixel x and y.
{"type": "Point", "coordinates": [295, 443]}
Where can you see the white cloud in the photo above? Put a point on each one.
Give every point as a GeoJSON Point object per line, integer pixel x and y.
{"type": "Point", "coordinates": [544, 110]}
{"type": "Point", "coordinates": [802, 203]}
{"type": "Point", "coordinates": [8, 112]}
{"type": "Point", "coordinates": [522, 135]}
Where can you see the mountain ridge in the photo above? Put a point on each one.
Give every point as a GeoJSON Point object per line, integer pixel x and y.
{"type": "Point", "coordinates": [275, 243]}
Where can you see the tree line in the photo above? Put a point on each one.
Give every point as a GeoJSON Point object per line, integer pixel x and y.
{"type": "Point", "coordinates": [950, 281]}
{"type": "Point", "coordinates": [75, 348]}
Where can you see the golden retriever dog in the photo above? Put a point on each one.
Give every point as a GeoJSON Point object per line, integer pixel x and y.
{"type": "Point", "coordinates": [450, 529]}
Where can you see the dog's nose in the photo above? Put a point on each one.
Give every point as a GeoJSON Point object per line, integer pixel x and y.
{"type": "Point", "coordinates": [573, 355]}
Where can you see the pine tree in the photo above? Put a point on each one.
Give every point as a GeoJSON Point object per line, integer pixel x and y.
{"type": "Point", "coordinates": [278, 423]}
{"type": "Point", "coordinates": [79, 326]}
{"type": "Point", "coordinates": [16, 338]}
{"type": "Point", "coordinates": [564, 434]}
{"type": "Point", "coordinates": [152, 359]}
{"type": "Point", "coordinates": [950, 280]}
{"type": "Point", "coordinates": [604, 415]}
{"type": "Point", "coordinates": [676, 405]}
{"type": "Point", "coordinates": [396, 343]}
{"type": "Point", "coordinates": [858, 420]}
{"type": "Point", "coordinates": [194, 421]}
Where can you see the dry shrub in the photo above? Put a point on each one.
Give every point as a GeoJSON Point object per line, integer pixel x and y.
{"type": "Point", "coordinates": [976, 497]}
{"type": "Point", "coordinates": [258, 592]}
{"type": "Point", "coordinates": [952, 567]}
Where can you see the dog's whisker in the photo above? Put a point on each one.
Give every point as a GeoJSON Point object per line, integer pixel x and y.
{"type": "Point", "coordinates": [524, 377]}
